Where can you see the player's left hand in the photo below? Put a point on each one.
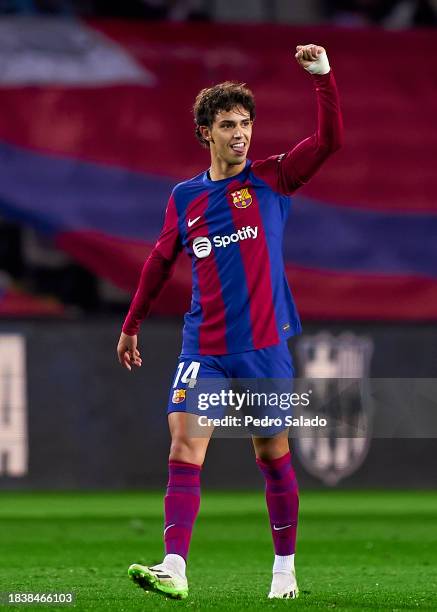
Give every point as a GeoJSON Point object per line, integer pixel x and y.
{"type": "Point", "coordinates": [312, 58]}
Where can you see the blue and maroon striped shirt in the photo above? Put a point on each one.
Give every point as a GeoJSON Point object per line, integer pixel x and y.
{"type": "Point", "coordinates": [232, 229]}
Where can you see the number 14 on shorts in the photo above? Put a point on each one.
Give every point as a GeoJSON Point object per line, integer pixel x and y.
{"type": "Point", "coordinates": [190, 374]}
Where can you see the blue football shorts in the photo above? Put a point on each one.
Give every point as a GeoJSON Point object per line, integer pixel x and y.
{"type": "Point", "coordinates": [271, 367]}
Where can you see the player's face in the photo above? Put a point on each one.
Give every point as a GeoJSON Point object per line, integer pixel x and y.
{"type": "Point", "coordinates": [230, 135]}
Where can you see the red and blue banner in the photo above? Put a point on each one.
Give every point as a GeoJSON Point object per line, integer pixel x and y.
{"type": "Point", "coordinates": [96, 128]}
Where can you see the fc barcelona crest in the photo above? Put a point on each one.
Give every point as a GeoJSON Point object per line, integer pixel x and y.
{"type": "Point", "coordinates": [241, 198]}
{"type": "Point", "coordinates": [178, 396]}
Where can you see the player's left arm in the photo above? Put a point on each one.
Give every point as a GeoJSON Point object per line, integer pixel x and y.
{"type": "Point", "coordinates": [290, 171]}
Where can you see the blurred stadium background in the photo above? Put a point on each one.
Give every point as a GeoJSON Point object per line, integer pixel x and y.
{"type": "Point", "coordinates": [95, 129]}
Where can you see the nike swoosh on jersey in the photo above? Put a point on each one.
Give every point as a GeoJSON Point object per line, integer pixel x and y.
{"type": "Point", "coordinates": [193, 221]}
{"type": "Point", "coordinates": [279, 528]}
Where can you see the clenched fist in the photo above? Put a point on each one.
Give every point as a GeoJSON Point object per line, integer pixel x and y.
{"type": "Point", "coordinates": [312, 58]}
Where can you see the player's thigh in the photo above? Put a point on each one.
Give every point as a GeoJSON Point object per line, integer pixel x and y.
{"type": "Point", "coordinates": [267, 373]}
{"type": "Point", "coordinates": [187, 444]}
{"type": "Point", "coordinates": [189, 440]}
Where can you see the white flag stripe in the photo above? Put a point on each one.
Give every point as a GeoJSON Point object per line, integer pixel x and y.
{"type": "Point", "coordinates": [50, 51]}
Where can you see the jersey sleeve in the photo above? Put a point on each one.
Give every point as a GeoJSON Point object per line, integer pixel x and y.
{"type": "Point", "coordinates": [156, 271]}
{"type": "Point", "coordinates": [169, 242]}
{"type": "Point", "coordinates": [287, 172]}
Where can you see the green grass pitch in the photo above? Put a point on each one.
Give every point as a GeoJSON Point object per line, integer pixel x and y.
{"type": "Point", "coordinates": [356, 550]}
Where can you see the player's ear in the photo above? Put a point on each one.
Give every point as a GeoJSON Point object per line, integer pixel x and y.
{"type": "Point", "coordinates": [205, 132]}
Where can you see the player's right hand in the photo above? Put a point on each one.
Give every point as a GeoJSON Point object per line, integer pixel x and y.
{"type": "Point", "coordinates": [312, 58]}
{"type": "Point", "coordinates": [127, 352]}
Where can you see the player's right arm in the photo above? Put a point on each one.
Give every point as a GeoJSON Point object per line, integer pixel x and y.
{"type": "Point", "coordinates": [155, 273]}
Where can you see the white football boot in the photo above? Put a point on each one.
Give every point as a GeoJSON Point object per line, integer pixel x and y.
{"type": "Point", "coordinates": [284, 586]}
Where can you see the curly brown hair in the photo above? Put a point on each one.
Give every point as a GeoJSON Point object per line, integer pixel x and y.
{"type": "Point", "coordinates": [222, 97]}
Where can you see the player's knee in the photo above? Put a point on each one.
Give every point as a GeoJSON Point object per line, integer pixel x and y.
{"type": "Point", "coordinates": [185, 450]}
{"type": "Point", "coordinates": [272, 448]}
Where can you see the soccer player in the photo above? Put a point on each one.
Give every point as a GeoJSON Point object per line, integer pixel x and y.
{"type": "Point", "coordinates": [230, 219]}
